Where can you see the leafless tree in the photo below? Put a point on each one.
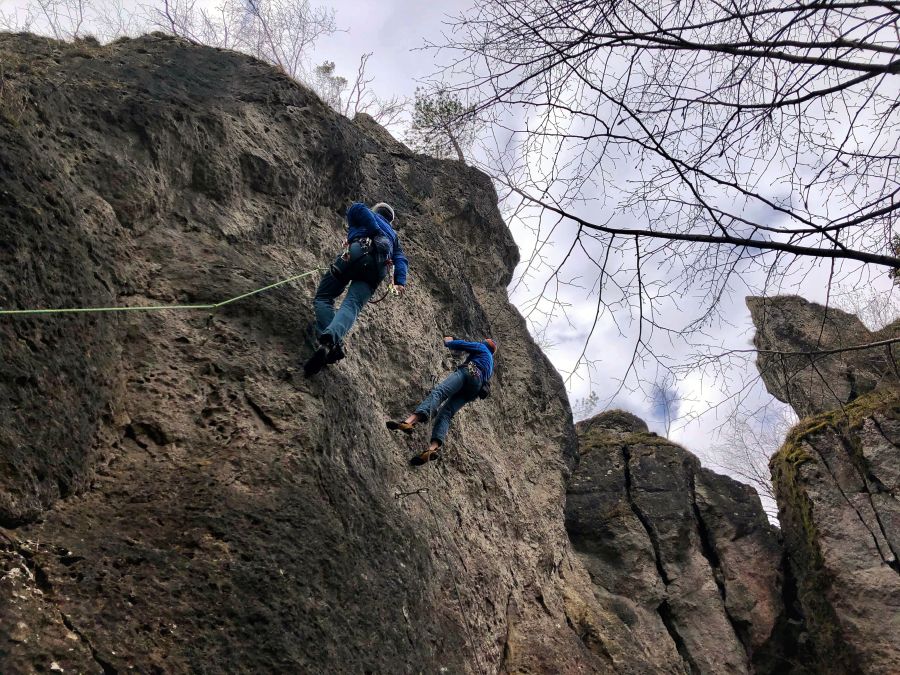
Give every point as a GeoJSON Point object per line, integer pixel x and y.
{"type": "Point", "coordinates": [747, 443]}
{"type": "Point", "coordinates": [281, 32]}
{"type": "Point", "coordinates": [361, 98]}
{"type": "Point", "coordinates": [284, 31]}
{"type": "Point", "coordinates": [62, 19]}
{"type": "Point", "coordinates": [114, 19]}
{"type": "Point", "coordinates": [674, 152]}
{"type": "Point", "coordinates": [875, 308]}
{"type": "Point", "coordinates": [16, 19]}
{"type": "Point", "coordinates": [665, 400]}
{"type": "Point", "coordinates": [358, 97]}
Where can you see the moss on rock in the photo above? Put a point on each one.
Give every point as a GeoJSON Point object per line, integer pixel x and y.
{"type": "Point", "coordinates": [792, 469]}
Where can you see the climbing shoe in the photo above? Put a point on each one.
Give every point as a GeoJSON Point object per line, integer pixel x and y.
{"type": "Point", "coordinates": [405, 427]}
{"type": "Point", "coordinates": [316, 362]}
{"type": "Point", "coordinates": [430, 455]}
{"type": "Point", "coordinates": [311, 335]}
{"type": "Point", "coordinates": [335, 354]}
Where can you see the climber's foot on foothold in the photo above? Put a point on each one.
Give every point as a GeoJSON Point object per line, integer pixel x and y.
{"type": "Point", "coordinates": [405, 427]}
{"type": "Point", "coordinates": [335, 354]}
{"type": "Point", "coordinates": [430, 455]}
{"type": "Point", "coordinates": [316, 362]}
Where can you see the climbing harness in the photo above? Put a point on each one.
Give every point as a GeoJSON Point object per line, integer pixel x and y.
{"type": "Point", "coordinates": [364, 258]}
{"type": "Point", "coordinates": [156, 308]}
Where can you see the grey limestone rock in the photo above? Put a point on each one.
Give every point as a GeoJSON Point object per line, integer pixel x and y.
{"type": "Point", "coordinates": [836, 479]}
{"type": "Point", "coordinates": [817, 382]}
{"type": "Point", "coordinates": [685, 556]}
{"type": "Point", "coordinates": [175, 497]}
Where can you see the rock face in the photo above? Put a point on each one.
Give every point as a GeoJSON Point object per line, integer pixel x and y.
{"type": "Point", "coordinates": [684, 556]}
{"type": "Point", "coordinates": [173, 497]}
{"type": "Point", "coordinates": [816, 382]}
{"type": "Point", "coordinates": [836, 480]}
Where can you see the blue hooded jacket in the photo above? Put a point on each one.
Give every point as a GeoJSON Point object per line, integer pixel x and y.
{"type": "Point", "coordinates": [479, 354]}
{"type": "Point", "coordinates": [363, 222]}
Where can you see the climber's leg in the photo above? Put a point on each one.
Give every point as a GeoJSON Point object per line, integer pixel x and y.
{"type": "Point", "coordinates": [357, 296]}
{"type": "Point", "coordinates": [330, 287]}
{"type": "Point", "coordinates": [333, 326]}
{"type": "Point", "coordinates": [445, 416]}
{"type": "Point", "coordinates": [444, 390]}
{"type": "Point", "coordinates": [441, 392]}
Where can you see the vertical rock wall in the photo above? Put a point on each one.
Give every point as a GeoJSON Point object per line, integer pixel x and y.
{"type": "Point", "coordinates": [174, 497]}
{"type": "Point", "coordinates": [685, 556]}
{"type": "Point", "coordinates": [837, 476]}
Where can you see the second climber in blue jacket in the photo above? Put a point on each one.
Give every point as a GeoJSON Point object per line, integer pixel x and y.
{"type": "Point", "coordinates": [371, 252]}
{"type": "Point", "coordinates": [460, 387]}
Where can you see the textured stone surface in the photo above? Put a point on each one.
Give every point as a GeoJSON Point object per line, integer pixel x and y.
{"type": "Point", "coordinates": [819, 382]}
{"type": "Point", "coordinates": [176, 498]}
{"type": "Point", "coordinates": [686, 557]}
{"type": "Point", "coordinates": [35, 636]}
{"type": "Point", "coordinates": [836, 480]}
{"type": "Point", "coordinates": [173, 498]}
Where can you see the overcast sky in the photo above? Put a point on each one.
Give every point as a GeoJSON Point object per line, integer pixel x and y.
{"type": "Point", "coordinates": [395, 31]}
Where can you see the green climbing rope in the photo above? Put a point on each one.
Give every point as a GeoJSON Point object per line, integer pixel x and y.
{"type": "Point", "coordinates": [155, 308]}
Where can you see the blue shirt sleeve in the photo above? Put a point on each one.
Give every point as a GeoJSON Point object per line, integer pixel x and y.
{"type": "Point", "coordinates": [401, 264]}
{"type": "Point", "coordinates": [464, 346]}
{"type": "Point", "coordinates": [480, 354]}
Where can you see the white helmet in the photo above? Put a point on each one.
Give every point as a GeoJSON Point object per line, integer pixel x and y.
{"type": "Point", "coordinates": [384, 210]}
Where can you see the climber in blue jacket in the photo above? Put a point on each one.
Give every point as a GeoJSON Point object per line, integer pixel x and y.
{"type": "Point", "coordinates": [371, 251]}
{"type": "Point", "coordinates": [465, 384]}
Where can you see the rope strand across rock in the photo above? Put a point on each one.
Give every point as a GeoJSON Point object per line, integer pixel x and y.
{"type": "Point", "coordinates": [156, 308]}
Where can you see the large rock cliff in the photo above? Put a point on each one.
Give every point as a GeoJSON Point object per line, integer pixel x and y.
{"type": "Point", "coordinates": [837, 478]}
{"type": "Point", "coordinates": [174, 497]}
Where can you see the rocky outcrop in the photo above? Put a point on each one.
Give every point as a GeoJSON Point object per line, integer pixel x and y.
{"type": "Point", "coordinates": [684, 556]}
{"type": "Point", "coordinates": [836, 479]}
{"type": "Point", "coordinates": [174, 497]}
{"type": "Point", "coordinates": [804, 358]}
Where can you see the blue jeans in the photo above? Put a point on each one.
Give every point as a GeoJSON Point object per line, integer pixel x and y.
{"type": "Point", "coordinates": [338, 324]}
{"type": "Point", "coordinates": [457, 389]}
